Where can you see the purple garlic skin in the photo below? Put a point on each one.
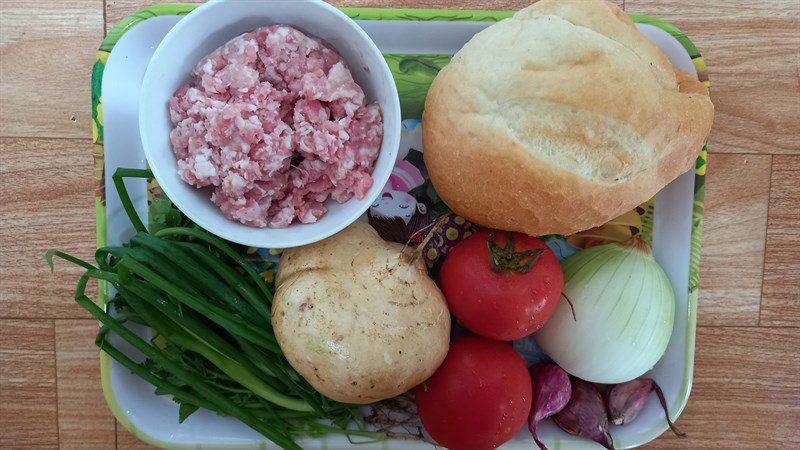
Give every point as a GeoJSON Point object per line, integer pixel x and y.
{"type": "Point", "coordinates": [585, 415]}
{"type": "Point", "coordinates": [626, 400]}
{"type": "Point", "coordinates": [551, 390]}
{"type": "Point", "coordinates": [551, 393]}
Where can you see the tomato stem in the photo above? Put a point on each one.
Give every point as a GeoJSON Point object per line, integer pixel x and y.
{"type": "Point", "coordinates": [507, 259]}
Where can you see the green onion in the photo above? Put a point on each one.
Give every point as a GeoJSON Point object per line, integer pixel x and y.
{"type": "Point", "coordinates": [213, 344]}
{"type": "Point", "coordinates": [231, 277]}
{"type": "Point", "coordinates": [232, 323]}
{"type": "Point", "coordinates": [236, 371]}
{"type": "Point", "coordinates": [51, 253]}
{"type": "Point", "coordinates": [196, 273]}
{"type": "Point", "coordinates": [220, 245]}
{"type": "Point", "coordinates": [190, 324]}
{"type": "Point", "coordinates": [125, 198]}
{"type": "Point", "coordinates": [176, 368]}
{"type": "Point", "coordinates": [102, 342]}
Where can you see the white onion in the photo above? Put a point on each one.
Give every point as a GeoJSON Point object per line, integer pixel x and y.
{"type": "Point", "coordinates": [624, 310]}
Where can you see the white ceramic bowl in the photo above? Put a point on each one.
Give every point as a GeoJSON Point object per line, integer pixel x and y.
{"type": "Point", "coordinates": [210, 26]}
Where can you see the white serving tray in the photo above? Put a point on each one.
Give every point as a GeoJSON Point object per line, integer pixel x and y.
{"type": "Point", "coordinates": [154, 418]}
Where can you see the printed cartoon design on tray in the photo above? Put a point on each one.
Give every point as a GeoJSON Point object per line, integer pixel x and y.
{"type": "Point", "coordinates": [700, 164]}
{"type": "Point", "coordinates": [97, 99]}
{"type": "Point", "coordinates": [97, 128]}
{"type": "Point", "coordinates": [638, 221]}
{"type": "Point", "coordinates": [619, 229]}
{"type": "Point", "coordinates": [264, 260]}
{"type": "Point", "coordinates": [409, 206]}
{"type": "Point", "coordinates": [453, 230]}
{"type": "Point", "coordinates": [98, 164]}
{"type": "Point", "coordinates": [413, 75]}
{"type": "Point", "coordinates": [396, 214]}
{"type": "Point", "coordinates": [559, 245]}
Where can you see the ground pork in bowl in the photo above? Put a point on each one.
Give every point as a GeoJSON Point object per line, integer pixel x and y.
{"type": "Point", "coordinates": [270, 124]}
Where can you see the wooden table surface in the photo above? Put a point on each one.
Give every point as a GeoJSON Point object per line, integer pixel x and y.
{"type": "Point", "coordinates": [746, 391]}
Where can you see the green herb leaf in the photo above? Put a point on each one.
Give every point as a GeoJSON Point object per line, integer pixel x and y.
{"type": "Point", "coordinates": [186, 410]}
{"type": "Point", "coordinates": [162, 214]}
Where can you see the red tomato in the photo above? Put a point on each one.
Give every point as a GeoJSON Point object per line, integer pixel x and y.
{"type": "Point", "coordinates": [478, 398]}
{"type": "Point", "coordinates": [504, 296]}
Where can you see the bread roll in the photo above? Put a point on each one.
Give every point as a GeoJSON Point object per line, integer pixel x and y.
{"type": "Point", "coordinates": [559, 119]}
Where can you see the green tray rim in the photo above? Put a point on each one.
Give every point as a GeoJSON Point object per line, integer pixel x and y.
{"type": "Point", "coordinates": [130, 21]}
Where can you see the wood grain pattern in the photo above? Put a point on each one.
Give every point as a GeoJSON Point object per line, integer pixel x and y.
{"type": "Point", "coordinates": [84, 421]}
{"type": "Point", "coordinates": [47, 57]}
{"type": "Point", "coordinates": [735, 226]}
{"type": "Point", "coordinates": [47, 191]}
{"type": "Point", "coordinates": [752, 51]}
{"type": "Point", "coordinates": [679, 10]}
{"type": "Point", "coordinates": [780, 302]}
{"type": "Point", "coordinates": [118, 9]}
{"type": "Point", "coordinates": [746, 392]}
{"type": "Point", "coordinates": [28, 409]}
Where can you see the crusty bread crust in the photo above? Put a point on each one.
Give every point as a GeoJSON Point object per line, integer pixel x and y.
{"type": "Point", "coordinates": [560, 119]}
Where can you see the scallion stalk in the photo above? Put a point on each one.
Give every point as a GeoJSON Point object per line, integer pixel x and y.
{"type": "Point", "coordinates": [213, 344]}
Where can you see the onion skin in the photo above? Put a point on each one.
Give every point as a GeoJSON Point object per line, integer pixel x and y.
{"type": "Point", "coordinates": [551, 393]}
{"type": "Point", "coordinates": [625, 401]}
{"type": "Point", "coordinates": [625, 309]}
{"type": "Point", "coordinates": [585, 414]}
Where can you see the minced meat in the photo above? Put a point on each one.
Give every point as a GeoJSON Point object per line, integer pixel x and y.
{"type": "Point", "coordinates": [274, 122]}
